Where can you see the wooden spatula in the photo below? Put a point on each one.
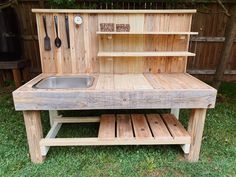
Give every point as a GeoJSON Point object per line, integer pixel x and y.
{"type": "Point", "coordinates": [47, 44]}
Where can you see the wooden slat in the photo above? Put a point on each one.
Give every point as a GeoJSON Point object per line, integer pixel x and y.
{"type": "Point", "coordinates": [141, 128]}
{"type": "Point", "coordinates": [144, 54]}
{"type": "Point", "coordinates": [148, 32]}
{"type": "Point", "coordinates": [107, 127]}
{"type": "Point", "coordinates": [175, 127]}
{"type": "Point", "coordinates": [158, 127]}
{"type": "Point", "coordinates": [112, 11]}
{"type": "Point", "coordinates": [124, 126]}
{"type": "Point", "coordinates": [105, 142]}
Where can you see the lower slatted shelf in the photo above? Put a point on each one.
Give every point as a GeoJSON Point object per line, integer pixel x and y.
{"type": "Point", "coordinates": [123, 129]}
{"type": "Point", "coordinates": [149, 128]}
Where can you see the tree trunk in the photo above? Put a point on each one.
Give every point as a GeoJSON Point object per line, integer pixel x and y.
{"type": "Point", "coordinates": [230, 33]}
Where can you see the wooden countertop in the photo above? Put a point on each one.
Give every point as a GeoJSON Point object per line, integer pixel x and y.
{"type": "Point", "coordinates": [120, 91]}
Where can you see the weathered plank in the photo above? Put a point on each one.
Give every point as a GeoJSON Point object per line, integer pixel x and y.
{"type": "Point", "coordinates": [124, 126]}
{"type": "Point", "coordinates": [107, 127]}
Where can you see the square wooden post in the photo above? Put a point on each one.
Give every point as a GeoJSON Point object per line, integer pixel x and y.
{"type": "Point", "coordinates": [34, 134]}
{"type": "Point", "coordinates": [195, 129]}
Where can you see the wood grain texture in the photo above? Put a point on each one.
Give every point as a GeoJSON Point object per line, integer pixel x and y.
{"type": "Point", "coordinates": [141, 128]}
{"type": "Point", "coordinates": [124, 126]}
{"type": "Point", "coordinates": [158, 127]}
{"type": "Point", "coordinates": [195, 129]}
{"type": "Point", "coordinates": [107, 127]}
{"type": "Point", "coordinates": [120, 92]}
{"type": "Point", "coordinates": [34, 134]}
{"type": "Point", "coordinates": [156, 42]}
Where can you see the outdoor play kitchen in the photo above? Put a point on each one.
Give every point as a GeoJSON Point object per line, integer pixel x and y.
{"type": "Point", "coordinates": [115, 59]}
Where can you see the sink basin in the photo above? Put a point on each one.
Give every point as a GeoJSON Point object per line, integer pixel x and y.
{"type": "Point", "coordinates": [65, 82]}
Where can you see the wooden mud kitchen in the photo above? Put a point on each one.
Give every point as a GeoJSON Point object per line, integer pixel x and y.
{"type": "Point", "coordinates": [115, 59]}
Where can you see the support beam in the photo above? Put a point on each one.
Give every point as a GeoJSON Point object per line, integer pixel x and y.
{"type": "Point", "coordinates": [195, 129]}
{"type": "Point", "coordinates": [34, 134]}
{"type": "Point", "coordinates": [175, 112]}
{"type": "Point", "coordinates": [52, 115]}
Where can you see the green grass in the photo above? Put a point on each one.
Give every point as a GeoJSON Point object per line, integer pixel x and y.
{"type": "Point", "coordinates": [218, 152]}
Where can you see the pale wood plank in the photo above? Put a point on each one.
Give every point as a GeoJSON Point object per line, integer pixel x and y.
{"type": "Point", "coordinates": [147, 32]}
{"type": "Point", "coordinates": [158, 127]}
{"type": "Point", "coordinates": [175, 127]}
{"type": "Point", "coordinates": [105, 142]}
{"type": "Point", "coordinates": [144, 54]}
{"type": "Point", "coordinates": [195, 129]}
{"type": "Point", "coordinates": [141, 128]}
{"type": "Point", "coordinates": [34, 134]}
{"type": "Point", "coordinates": [181, 11]}
{"type": "Point", "coordinates": [107, 127]}
{"type": "Point", "coordinates": [124, 126]}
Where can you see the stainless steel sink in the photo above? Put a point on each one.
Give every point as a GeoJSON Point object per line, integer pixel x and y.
{"type": "Point", "coordinates": [65, 82]}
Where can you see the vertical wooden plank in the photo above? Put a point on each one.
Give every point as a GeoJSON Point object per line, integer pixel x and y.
{"type": "Point", "coordinates": [72, 43]}
{"type": "Point", "coordinates": [195, 129]}
{"type": "Point", "coordinates": [158, 127]}
{"type": "Point", "coordinates": [107, 126]}
{"type": "Point", "coordinates": [141, 128]}
{"type": "Point", "coordinates": [17, 77]}
{"type": "Point", "coordinates": [58, 51]}
{"type": "Point", "coordinates": [34, 134]}
{"type": "Point", "coordinates": [66, 66]}
{"type": "Point", "coordinates": [124, 126]}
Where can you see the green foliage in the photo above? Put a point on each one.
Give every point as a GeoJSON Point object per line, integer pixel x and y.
{"type": "Point", "coordinates": [66, 4]}
{"type": "Point", "coordinates": [218, 152]}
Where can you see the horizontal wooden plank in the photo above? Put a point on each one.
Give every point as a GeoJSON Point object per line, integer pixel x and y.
{"type": "Point", "coordinates": [77, 119]}
{"type": "Point", "coordinates": [105, 142]}
{"type": "Point", "coordinates": [75, 100]}
{"type": "Point", "coordinates": [146, 32]}
{"type": "Point", "coordinates": [196, 95]}
{"type": "Point", "coordinates": [111, 11]}
{"type": "Point", "coordinates": [144, 54]}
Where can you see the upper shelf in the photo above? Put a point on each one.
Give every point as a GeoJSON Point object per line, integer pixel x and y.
{"type": "Point", "coordinates": [111, 11]}
{"type": "Point", "coordinates": [146, 54]}
{"type": "Point", "coordinates": [161, 33]}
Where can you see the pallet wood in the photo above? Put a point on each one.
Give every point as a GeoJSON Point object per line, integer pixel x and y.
{"type": "Point", "coordinates": [121, 92]}
{"type": "Point", "coordinates": [34, 134]}
{"type": "Point", "coordinates": [158, 127]}
{"type": "Point", "coordinates": [124, 126]}
{"type": "Point", "coordinates": [144, 54]}
{"type": "Point", "coordinates": [156, 34]}
{"type": "Point", "coordinates": [175, 127]}
{"type": "Point", "coordinates": [123, 134]}
{"type": "Point", "coordinates": [181, 11]}
{"type": "Point", "coordinates": [141, 129]}
{"type": "Point", "coordinates": [195, 129]}
{"type": "Point", "coordinates": [107, 127]}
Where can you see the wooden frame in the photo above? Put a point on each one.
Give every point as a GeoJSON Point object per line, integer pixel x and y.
{"type": "Point", "coordinates": [142, 68]}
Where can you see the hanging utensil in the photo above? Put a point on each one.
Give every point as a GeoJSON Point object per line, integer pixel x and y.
{"type": "Point", "coordinates": [67, 31]}
{"type": "Point", "coordinates": [57, 40]}
{"type": "Point", "coordinates": [47, 44]}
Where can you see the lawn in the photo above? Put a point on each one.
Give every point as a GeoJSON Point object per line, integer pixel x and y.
{"type": "Point", "coordinates": [218, 152]}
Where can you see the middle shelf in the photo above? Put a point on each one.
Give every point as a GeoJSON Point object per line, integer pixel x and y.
{"type": "Point", "coordinates": [146, 54]}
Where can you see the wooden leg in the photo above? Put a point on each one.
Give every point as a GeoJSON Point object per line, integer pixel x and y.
{"type": "Point", "coordinates": [34, 134]}
{"type": "Point", "coordinates": [17, 77]}
{"type": "Point", "coordinates": [195, 129]}
{"type": "Point", "coordinates": [52, 115]}
{"type": "Point", "coordinates": [175, 111]}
